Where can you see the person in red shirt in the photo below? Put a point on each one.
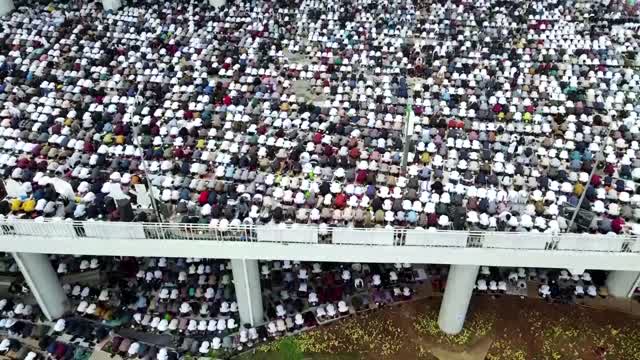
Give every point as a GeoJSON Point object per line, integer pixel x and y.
{"type": "Point", "coordinates": [203, 197]}
{"type": "Point", "coordinates": [88, 147]}
{"type": "Point", "coordinates": [617, 225]}
{"type": "Point", "coordinates": [609, 170]}
{"type": "Point", "coordinates": [317, 138]}
{"type": "Point", "coordinates": [354, 153]}
{"type": "Point", "coordinates": [341, 201]}
{"type": "Point", "coordinates": [328, 150]}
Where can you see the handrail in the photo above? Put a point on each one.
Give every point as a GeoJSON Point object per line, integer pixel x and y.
{"type": "Point", "coordinates": [313, 234]}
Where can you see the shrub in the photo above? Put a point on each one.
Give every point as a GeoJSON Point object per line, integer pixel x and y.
{"type": "Point", "coordinates": [289, 349]}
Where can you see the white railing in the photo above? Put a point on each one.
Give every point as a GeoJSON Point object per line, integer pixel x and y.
{"type": "Point", "coordinates": [305, 234]}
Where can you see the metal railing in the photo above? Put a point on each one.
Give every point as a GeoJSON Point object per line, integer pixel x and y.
{"type": "Point", "coordinates": [306, 234]}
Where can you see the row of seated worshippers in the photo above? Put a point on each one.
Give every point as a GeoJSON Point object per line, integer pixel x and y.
{"type": "Point", "coordinates": [130, 349]}
{"type": "Point", "coordinates": [551, 284]}
{"type": "Point", "coordinates": [247, 337]}
{"type": "Point", "coordinates": [30, 339]}
{"type": "Point", "coordinates": [566, 287]}
{"type": "Point", "coordinates": [151, 305]}
{"type": "Point", "coordinates": [17, 350]}
{"type": "Point", "coordinates": [158, 295]}
{"type": "Point", "coordinates": [188, 299]}
{"type": "Point", "coordinates": [511, 106]}
{"type": "Point", "coordinates": [186, 346]}
{"type": "Point", "coordinates": [17, 310]}
{"type": "Point", "coordinates": [300, 295]}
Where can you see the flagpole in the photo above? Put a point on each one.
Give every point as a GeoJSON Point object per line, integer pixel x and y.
{"type": "Point", "coordinates": [405, 150]}
{"type": "Point", "coordinates": [136, 135]}
{"type": "Point", "coordinates": [584, 191]}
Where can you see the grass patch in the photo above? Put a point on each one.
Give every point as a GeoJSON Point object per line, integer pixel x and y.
{"type": "Point", "coordinates": [475, 327]}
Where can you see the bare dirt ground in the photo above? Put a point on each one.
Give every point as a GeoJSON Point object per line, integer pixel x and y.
{"type": "Point", "coordinates": [507, 328]}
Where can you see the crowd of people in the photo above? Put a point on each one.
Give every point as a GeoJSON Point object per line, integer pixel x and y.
{"type": "Point", "coordinates": [152, 308]}
{"type": "Point", "coordinates": [552, 285]}
{"type": "Point", "coordinates": [302, 295]}
{"type": "Point", "coordinates": [136, 307]}
{"type": "Point", "coordinates": [169, 308]}
{"type": "Point", "coordinates": [504, 113]}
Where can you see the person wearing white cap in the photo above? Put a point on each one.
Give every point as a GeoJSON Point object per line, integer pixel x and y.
{"type": "Point", "coordinates": [204, 347]}
{"type": "Point", "coordinates": [5, 345]}
{"type": "Point", "coordinates": [192, 326]}
{"type": "Point", "coordinates": [273, 330]}
{"type": "Point", "coordinates": [331, 311]}
{"type": "Point", "coordinates": [224, 308]}
{"type": "Point", "coordinates": [343, 309]}
{"type": "Point", "coordinates": [216, 343]}
{"type": "Point", "coordinates": [104, 295]}
{"type": "Point", "coordinates": [163, 325]}
{"type": "Point", "coordinates": [133, 349]}
{"type": "Point", "coordinates": [94, 264]}
{"type": "Point", "coordinates": [62, 268]}
{"type": "Point", "coordinates": [86, 291]}
{"type": "Point", "coordinates": [162, 354]}
{"type": "Point", "coordinates": [545, 291]}
{"type": "Point", "coordinates": [298, 322]}
{"type": "Point", "coordinates": [231, 324]}
{"type": "Point", "coordinates": [502, 287]}
{"type": "Point", "coordinates": [313, 299]}
{"type": "Point", "coordinates": [185, 309]}
{"type": "Point", "coordinates": [221, 326]}
{"type": "Point", "coordinates": [82, 307]}
{"type": "Point", "coordinates": [18, 309]}
{"type": "Point", "coordinates": [59, 326]}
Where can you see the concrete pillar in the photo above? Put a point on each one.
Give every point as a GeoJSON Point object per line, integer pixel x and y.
{"type": "Point", "coordinates": [246, 279]}
{"type": "Point", "coordinates": [112, 5]}
{"type": "Point", "coordinates": [217, 3]}
{"type": "Point", "coordinates": [6, 6]}
{"type": "Point", "coordinates": [44, 283]}
{"type": "Point", "coordinates": [457, 295]}
{"type": "Point", "coordinates": [622, 283]}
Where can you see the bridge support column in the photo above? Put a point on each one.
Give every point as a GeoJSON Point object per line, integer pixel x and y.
{"type": "Point", "coordinates": [246, 279]}
{"type": "Point", "coordinates": [622, 283]}
{"type": "Point", "coordinates": [457, 295]}
{"type": "Point", "coordinates": [43, 282]}
{"type": "Point", "coordinates": [6, 6]}
{"type": "Point", "coordinates": [111, 4]}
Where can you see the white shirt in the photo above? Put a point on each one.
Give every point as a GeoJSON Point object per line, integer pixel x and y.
{"type": "Point", "coordinates": [544, 290]}
{"type": "Point", "coordinates": [133, 348]}
{"type": "Point", "coordinates": [482, 285]}
{"type": "Point", "coordinates": [493, 285]}
{"type": "Point", "coordinates": [376, 279]}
